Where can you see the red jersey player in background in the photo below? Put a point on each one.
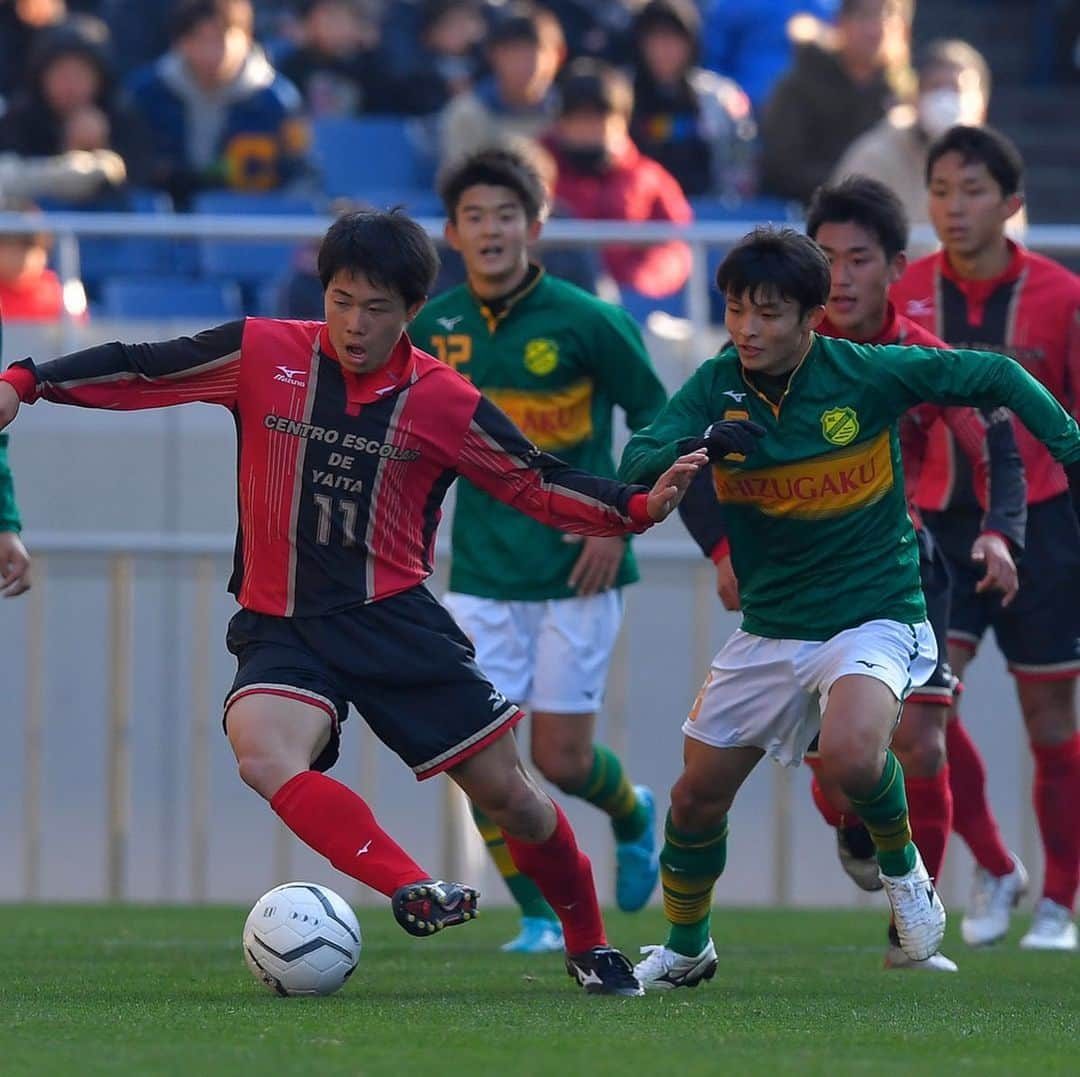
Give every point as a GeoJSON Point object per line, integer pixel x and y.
{"type": "Point", "coordinates": [349, 439]}
{"type": "Point", "coordinates": [982, 290]}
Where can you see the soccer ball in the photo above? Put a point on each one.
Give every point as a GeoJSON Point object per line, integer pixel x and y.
{"type": "Point", "coordinates": [301, 939]}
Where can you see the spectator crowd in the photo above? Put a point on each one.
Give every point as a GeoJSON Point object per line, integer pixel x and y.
{"type": "Point", "coordinates": [641, 111]}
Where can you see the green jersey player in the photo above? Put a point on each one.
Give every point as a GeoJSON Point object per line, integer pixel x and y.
{"type": "Point", "coordinates": [801, 430]}
{"type": "Point", "coordinates": [543, 611]}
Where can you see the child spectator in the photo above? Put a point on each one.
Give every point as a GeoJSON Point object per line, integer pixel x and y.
{"type": "Point", "coordinates": [219, 113]}
{"type": "Point", "coordinates": [840, 86]}
{"type": "Point", "coordinates": [449, 61]}
{"type": "Point", "coordinates": [526, 49]}
{"type": "Point", "coordinates": [69, 79]}
{"type": "Point", "coordinates": [29, 290]}
{"type": "Point", "coordinates": [338, 67]}
{"type": "Point", "coordinates": [603, 176]}
{"type": "Point", "coordinates": [696, 123]}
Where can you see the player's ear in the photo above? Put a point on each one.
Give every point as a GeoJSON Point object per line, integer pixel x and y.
{"type": "Point", "coordinates": [533, 231]}
{"type": "Point", "coordinates": [897, 267]}
{"type": "Point", "coordinates": [411, 312]}
{"type": "Point", "coordinates": [813, 317]}
{"type": "Point", "coordinates": [1013, 204]}
{"type": "Point", "coordinates": [451, 234]}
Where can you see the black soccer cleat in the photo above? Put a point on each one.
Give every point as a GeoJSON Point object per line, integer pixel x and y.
{"type": "Point", "coordinates": [426, 907]}
{"type": "Point", "coordinates": [603, 971]}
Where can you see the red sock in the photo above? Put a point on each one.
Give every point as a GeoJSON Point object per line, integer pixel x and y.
{"type": "Point", "coordinates": [831, 815]}
{"type": "Point", "coordinates": [564, 875]}
{"type": "Point", "coordinates": [930, 810]}
{"type": "Point", "coordinates": [972, 818]}
{"type": "Point", "coordinates": [1057, 804]}
{"type": "Point", "coordinates": [334, 821]}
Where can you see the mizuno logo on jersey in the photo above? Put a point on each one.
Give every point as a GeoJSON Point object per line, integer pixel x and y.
{"type": "Point", "coordinates": [832, 484]}
{"type": "Point", "coordinates": [737, 397]}
{"type": "Point", "coordinates": [449, 323]}
{"type": "Point", "coordinates": [290, 377]}
{"type": "Point", "coordinates": [919, 308]}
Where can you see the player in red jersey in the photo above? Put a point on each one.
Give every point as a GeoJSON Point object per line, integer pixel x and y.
{"type": "Point", "coordinates": [983, 290]}
{"type": "Point", "coordinates": [349, 439]}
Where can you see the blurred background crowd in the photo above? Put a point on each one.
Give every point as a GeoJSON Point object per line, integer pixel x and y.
{"type": "Point", "coordinates": [661, 110]}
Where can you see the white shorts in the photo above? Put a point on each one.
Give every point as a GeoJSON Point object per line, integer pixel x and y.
{"type": "Point", "coordinates": [549, 656]}
{"type": "Point", "coordinates": [771, 693]}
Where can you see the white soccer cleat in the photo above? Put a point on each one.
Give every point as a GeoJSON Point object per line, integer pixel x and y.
{"type": "Point", "coordinates": [1052, 928]}
{"type": "Point", "coordinates": [993, 898]}
{"type": "Point", "coordinates": [918, 915]}
{"type": "Point", "coordinates": [664, 969]}
{"type": "Point", "coordinates": [895, 958]}
{"type": "Point", "coordinates": [862, 870]}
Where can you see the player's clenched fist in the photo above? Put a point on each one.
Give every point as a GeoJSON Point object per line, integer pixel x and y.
{"type": "Point", "coordinates": [9, 404]}
{"type": "Point", "coordinates": [729, 436]}
{"type": "Point", "coordinates": [669, 489]}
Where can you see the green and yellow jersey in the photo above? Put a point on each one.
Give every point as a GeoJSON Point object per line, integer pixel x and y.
{"type": "Point", "coordinates": [557, 360]}
{"type": "Point", "coordinates": [9, 514]}
{"type": "Point", "coordinates": [820, 535]}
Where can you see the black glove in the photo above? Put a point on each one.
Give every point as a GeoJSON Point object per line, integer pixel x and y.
{"type": "Point", "coordinates": [728, 436]}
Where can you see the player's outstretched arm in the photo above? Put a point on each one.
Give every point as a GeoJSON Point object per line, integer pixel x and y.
{"type": "Point", "coordinates": [906, 376]}
{"type": "Point", "coordinates": [499, 459]}
{"type": "Point", "coordinates": [121, 376]}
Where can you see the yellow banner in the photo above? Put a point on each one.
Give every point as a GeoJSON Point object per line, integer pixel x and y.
{"type": "Point", "coordinates": [552, 420]}
{"type": "Point", "coordinates": [830, 485]}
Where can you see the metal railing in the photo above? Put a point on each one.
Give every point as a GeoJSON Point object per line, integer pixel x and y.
{"type": "Point", "coordinates": [700, 236]}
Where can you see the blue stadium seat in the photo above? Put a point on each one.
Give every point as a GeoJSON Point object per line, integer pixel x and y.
{"type": "Point", "coordinates": [249, 261]}
{"type": "Point", "coordinates": [776, 210]}
{"type": "Point", "coordinates": [641, 306]}
{"type": "Point", "coordinates": [170, 297]}
{"type": "Point", "coordinates": [101, 257]}
{"type": "Point", "coordinates": [369, 153]}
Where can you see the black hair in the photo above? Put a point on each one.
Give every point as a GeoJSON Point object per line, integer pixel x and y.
{"type": "Point", "coordinates": [776, 261]}
{"type": "Point", "coordinates": [387, 247]}
{"type": "Point", "coordinates": [863, 201]}
{"type": "Point", "coordinates": [525, 23]}
{"type": "Point", "coordinates": [494, 166]}
{"type": "Point", "coordinates": [981, 145]}
{"type": "Point", "coordinates": [187, 14]}
{"type": "Point", "coordinates": [589, 85]}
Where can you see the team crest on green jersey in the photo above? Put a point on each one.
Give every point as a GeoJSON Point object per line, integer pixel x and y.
{"type": "Point", "coordinates": [541, 356]}
{"type": "Point", "coordinates": [839, 425]}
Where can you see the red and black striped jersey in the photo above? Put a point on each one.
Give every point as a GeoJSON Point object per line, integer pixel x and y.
{"type": "Point", "coordinates": [340, 476]}
{"type": "Point", "coordinates": [1030, 312]}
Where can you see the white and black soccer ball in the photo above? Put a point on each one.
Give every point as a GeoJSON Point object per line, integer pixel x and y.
{"type": "Point", "coordinates": [301, 939]}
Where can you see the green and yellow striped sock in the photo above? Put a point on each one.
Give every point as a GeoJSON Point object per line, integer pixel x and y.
{"type": "Point", "coordinates": [690, 864]}
{"type": "Point", "coordinates": [526, 893]}
{"type": "Point", "coordinates": [885, 813]}
{"type": "Point", "coordinates": [609, 789]}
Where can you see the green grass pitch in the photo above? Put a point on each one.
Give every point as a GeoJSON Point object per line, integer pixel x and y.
{"type": "Point", "coordinates": [109, 990]}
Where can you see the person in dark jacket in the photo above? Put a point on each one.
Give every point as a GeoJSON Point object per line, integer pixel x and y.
{"type": "Point", "coordinates": [71, 100]}
{"type": "Point", "coordinates": [840, 86]}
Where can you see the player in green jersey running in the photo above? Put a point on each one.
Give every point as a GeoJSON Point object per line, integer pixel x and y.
{"type": "Point", "coordinates": [543, 611]}
{"type": "Point", "coordinates": [801, 430]}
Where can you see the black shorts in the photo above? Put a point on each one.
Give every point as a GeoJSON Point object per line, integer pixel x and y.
{"type": "Point", "coordinates": [1039, 632]}
{"type": "Point", "coordinates": [936, 585]}
{"type": "Point", "coordinates": [402, 662]}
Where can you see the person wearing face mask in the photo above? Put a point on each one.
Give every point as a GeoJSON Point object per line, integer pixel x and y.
{"type": "Point", "coordinates": [954, 88]}
{"type": "Point", "coordinates": [602, 175]}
